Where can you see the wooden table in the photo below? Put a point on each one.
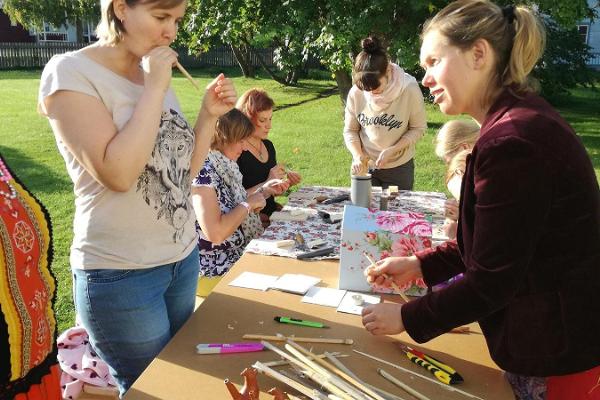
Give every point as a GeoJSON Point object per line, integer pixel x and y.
{"type": "Point", "coordinates": [229, 312]}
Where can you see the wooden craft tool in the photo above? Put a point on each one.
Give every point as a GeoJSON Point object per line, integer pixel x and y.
{"type": "Point", "coordinates": [402, 385]}
{"type": "Point", "coordinates": [282, 378]}
{"type": "Point", "coordinates": [297, 339]}
{"type": "Point", "coordinates": [386, 276]}
{"type": "Point", "coordinates": [187, 75]}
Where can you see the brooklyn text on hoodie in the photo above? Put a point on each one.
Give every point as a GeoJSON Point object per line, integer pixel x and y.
{"type": "Point", "coordinates": [383, 120]}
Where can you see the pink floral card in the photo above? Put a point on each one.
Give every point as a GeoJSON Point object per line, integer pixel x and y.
{"type": "Point", "coordinates": [380, 234]}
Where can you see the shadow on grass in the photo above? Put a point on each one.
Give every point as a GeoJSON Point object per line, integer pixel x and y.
{"type": "Point", "coordinates": [321, 95]}
{"type": "Point", "coordinates": [434, 125]}
{"type": "Point", "coordinates": [35, 175]}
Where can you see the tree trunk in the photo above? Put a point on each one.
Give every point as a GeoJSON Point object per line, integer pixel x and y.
{"type": "Point", "coordinates": [344, 82]}
{"type": "Point", "coordinates": [79, 30]}
{"type": "Point", "coordinates": [242, 56]}
{"type": "Point", "coordinates": [269, 71]}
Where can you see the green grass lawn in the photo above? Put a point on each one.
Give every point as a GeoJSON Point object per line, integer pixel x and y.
{"type": "Point", "coordinates": [307, 128]}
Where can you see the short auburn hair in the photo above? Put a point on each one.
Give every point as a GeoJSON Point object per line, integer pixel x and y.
{"type": "Point", "coordinates": [254, 101]}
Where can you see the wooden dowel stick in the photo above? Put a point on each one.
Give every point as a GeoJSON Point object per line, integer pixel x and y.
{"type": "Point", "coordinates": [402, 385]}
{"type": "Point", "coordinates": [297, 339]}
{"type": "Point", "coordinates": [282, 378]}
{"type": "Point", "coordinates": [447, 387]}
{"type": "Point", "coordinates": [306, 368]}
{"type": "Point", "coordinates": [386, 276]}
{"type": "Point", "coordinates": [334, 384]}
{"type": "Point", "coordinates": [336, 370]}
{"type": "Point", "coordinates": [341, 366]}
{"type": "Point", "coordinates": [187, 75]}
{"type": "Point", "coordinates": [279, 363]}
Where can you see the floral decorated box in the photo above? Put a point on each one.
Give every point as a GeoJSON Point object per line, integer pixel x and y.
{"type": "Point", "coordinates": [380, 234]}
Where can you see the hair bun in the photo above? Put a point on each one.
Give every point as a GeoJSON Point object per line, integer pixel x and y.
{"type": "Point", "coordinates": [371, 44]}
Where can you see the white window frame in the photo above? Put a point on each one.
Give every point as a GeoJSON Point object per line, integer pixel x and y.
{"type": "Point", "coordinates": [51, 30]}
{"type": "Point", "coordinates": [587, 32]}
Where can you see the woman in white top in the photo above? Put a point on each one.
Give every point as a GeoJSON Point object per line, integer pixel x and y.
{"type": "Point", "coordinates": [131, 156]}
{"type": "Point", "coordinates": [385, 117]}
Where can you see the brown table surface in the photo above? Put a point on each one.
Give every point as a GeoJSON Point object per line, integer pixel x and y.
{"type": "Point", "coordinates": [229, 312]}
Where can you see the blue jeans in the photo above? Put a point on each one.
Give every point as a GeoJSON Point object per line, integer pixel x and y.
{"type": "Point", "coordinates": [131, 314]}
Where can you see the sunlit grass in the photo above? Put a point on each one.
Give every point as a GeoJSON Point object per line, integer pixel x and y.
{"type": "Point", "coordinates": [307, 132]}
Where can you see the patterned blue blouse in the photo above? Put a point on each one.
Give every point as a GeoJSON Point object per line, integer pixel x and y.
{"type": "Point", "coordinates": [215, 260]}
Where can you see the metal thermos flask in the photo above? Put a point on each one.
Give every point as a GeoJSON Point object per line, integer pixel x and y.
{"type": "Point", "coordinates": [360, 190]}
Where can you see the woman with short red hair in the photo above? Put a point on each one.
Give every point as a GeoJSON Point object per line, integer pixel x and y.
{"type": "Point", "coordinates": [258, 164]}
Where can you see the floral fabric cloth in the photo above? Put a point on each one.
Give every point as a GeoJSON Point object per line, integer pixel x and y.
{"type": "Point", "coordinates": [378, 235]}
{"type": "Point", "coordinates": [305, 199]}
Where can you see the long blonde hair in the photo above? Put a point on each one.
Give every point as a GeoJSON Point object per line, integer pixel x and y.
{"type": "Point", "coordinates": [516, 35]}
{"type": "Point", "coordinates": [454, 135]}
{"type": "Point", "coordinates": [457, 165]}
{"type": "Point", "coordinates": [110, 29]}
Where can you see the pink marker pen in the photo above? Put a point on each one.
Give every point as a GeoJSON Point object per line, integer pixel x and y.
{"type": "Point", "coordinates": [221, 348]}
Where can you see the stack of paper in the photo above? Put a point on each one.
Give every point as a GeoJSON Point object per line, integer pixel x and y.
{"type": "Point", "coordinates": [252, 280]}
{"type": "Point", "coordinates": [295, 283]}
{"type": "Point", "coordinates": [322, 296]}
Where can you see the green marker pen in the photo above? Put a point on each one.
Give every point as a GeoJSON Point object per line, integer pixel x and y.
{"type": "Point", "coordinates": [295, 321]}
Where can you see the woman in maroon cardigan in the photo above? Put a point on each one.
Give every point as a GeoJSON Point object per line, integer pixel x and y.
{"type": "Point", "coordinates": [528, 238]}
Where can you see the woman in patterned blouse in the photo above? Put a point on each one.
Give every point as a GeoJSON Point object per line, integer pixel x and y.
{"type": "Point", "coordinates": [227, 214]}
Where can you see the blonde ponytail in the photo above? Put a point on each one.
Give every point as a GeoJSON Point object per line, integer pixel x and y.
{"type": "Point", "coordinates": [528, 46]}
{"type": "Point", "coordinates": [516, 35]}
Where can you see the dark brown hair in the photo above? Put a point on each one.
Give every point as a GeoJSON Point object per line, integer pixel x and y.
{"type": "Point", "coordinates": [232, 127]}
{"type": "Point", "coordinates": [370, 64]}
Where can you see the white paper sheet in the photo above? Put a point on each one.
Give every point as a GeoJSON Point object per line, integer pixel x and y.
{"type": "Point", "coordinates": [328, 297]}
{"type": "Point", "coordinates": [295, 283]}
{"type": "Point", "coordinates": [252, 280]}
{"type": "Point", "coordinates": [348, 305]}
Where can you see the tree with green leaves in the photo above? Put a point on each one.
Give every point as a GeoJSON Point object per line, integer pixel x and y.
{"type": "Point", "coordinates": [332, 30]}
{"type": "Point", "coordinates": [247, 25]}
{"type": "Point", "coordinates": [34, 13]}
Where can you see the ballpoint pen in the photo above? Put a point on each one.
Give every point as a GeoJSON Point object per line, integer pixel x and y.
{"type": "Point", "coordinates": [301, 322]}
{"type": "Point", "coordinates": [441, 374]}
{"type": "Point", "coordinates": [220, 348]}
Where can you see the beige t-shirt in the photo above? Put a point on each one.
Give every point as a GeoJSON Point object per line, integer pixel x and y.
{"type": "Point", "coordinates": [153, 222]}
